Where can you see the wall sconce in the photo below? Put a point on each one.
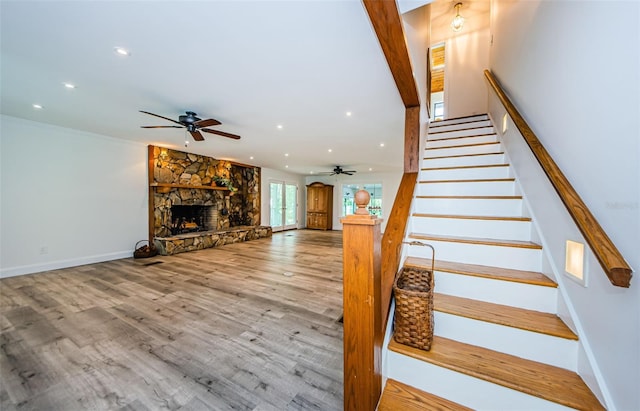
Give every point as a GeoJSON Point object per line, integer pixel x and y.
{"type": "Point", "coordinates": [574, 260]}
{"type": "Point", "coordinates": [458, 20]}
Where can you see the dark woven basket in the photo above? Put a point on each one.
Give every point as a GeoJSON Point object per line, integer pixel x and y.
{"type": "Point", "coordinates": [413, 319]}
{"type": "Point", "coordinates": [145, 251]}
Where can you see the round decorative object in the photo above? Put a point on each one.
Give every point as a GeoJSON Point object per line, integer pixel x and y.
{"type": "Point", "coordinates": [362, 198]}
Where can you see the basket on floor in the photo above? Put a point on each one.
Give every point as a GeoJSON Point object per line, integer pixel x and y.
{"type": "Point", "coordinates": [145, 251]}
{"type": "Point", "coordinates": [413, 319]}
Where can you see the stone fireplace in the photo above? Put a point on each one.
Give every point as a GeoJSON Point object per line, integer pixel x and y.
{"type": "Point", "coordinates": [188, 209]}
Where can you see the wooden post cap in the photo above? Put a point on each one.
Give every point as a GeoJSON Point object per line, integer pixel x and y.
{"type": "Point", "coordinates": [362, 198]}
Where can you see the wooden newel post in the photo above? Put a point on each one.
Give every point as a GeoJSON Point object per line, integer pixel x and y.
{"type": "Point", "coordinates": [363, 332]}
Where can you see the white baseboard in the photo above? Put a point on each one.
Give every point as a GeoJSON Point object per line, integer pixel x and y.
{"type": "Point", "coordinates": [55, 265]}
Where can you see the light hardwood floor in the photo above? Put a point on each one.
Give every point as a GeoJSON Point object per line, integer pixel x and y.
{"type": "Point", "coordinates": [216, 329]}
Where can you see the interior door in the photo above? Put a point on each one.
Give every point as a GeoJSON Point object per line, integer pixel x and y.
{"type": "Point", "coordinates": [283, 203]}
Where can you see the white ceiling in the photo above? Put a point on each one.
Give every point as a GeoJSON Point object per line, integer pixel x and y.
{"type": "Point", "coordinates": [250, 64]}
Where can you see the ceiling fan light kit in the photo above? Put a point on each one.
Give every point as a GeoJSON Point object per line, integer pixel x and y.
{"type": "Point", "coordinates": [193, 124]}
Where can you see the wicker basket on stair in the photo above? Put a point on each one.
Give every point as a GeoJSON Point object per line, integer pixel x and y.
{"type": "Point", "coordinates": [413, 292]}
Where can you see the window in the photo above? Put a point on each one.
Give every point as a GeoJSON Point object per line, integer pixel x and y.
{"type": "Point", "coordinates": [438, 110]}
{"type": "Point", "coordinates": [375, 203]}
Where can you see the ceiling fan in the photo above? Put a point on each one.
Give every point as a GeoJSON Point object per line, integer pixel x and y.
{"type": "Point", "coordinates": [194, 125]}
{"type": "Point", "coordinates": [339, 170]}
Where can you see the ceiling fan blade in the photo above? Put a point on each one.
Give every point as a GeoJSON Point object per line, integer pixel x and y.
{"type": "Point", "coordinates": [156, 115]}
{"type": "Point", "coordinates": [207, 123]}
{"type": "Point", "coordinates": [161, 126]}
{"type": "Point", "coordinates": [220, 133]}
{"type": "Point", "coordinates": [196, 135]}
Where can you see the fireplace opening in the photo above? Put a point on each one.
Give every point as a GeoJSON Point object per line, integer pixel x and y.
{"type": "Point", "coordinates": [192, 219]}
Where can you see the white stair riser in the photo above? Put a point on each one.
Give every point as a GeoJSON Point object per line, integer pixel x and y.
{"type": "Point", "coordinates": [463, 389]}
{"type": "Point", "coordinates": [490, 138]}
{"type": "Point", "coordinates": [528, 296]}
{"type": "Point", "coordinates": [528, 259]}
{"type": "Point", "coordinates": [467, 206]}
{"type": "Point", "coordinates": [543, 348]}
{"type": "Point", "coordinates": [475, 188]}
{"type": "Point", "coordinates": [462, 227]}
{"type": "Point", "coordinates": [465, 132]}
{"type": "Point", "coordinates": [463, 161]}
{"type": "Point", "coordinates": [465, 173]}
{"type": "Point", "coordinates": [457, 151]}
{"type": "Point", "coordinates": [469, 124]}
{"type": "Point", "coordinates": [469, 119]}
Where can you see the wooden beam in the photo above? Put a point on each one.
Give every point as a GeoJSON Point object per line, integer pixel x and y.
{"type": "Point", "coordinates": [387, 24]}
{"type": "Point", "coordinates": [610, 258]}
{"type": "Point", "coordinates": [412, 140]}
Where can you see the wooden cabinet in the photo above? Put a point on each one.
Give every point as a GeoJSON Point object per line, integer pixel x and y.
{"type": "Point", "coordinates": [319, 206]}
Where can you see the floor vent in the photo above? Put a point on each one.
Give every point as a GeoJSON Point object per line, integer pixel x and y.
{"type": "Point", "coordinates": [152, 263]}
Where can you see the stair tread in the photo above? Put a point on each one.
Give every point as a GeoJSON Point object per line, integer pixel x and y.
{"type": "Point", "coordinates": [399, 396]}
{"type": "Point", "coordinates": [473, 116]}
{"type": "Point", "coordinates": [464, 167]}
{"type": "Point", "coordinates": [473, 240]}
{"type": "Point", "coordinates": [541, 380]}
{"type": "Point", "coordinates": [457, 129]}
{"type": "Point", "coordinates": [475, 180]}
{"type": "Point", "coordinates": [459, 137]}
{"type": "Point", "coordinates": [464, 145]}
{"type": "Point", "coordinates": [465, 155]}
{"type": "Point", "coordinates": [475, 270]}
{"type": "Point", "coordinates": [529, 320]}
{"type": "Point", "coordinates": [474, 197]}
{"type": "Point", "coordinates": [472, 217]}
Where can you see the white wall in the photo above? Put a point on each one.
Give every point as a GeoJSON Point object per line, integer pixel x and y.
{"type": "Point", "coordinates": [269, 175]}
{"type": "Point", "coordinates": [574, 74]}
{"type": "Point", "coordinates": [389, 181]}
{"type": "Point", "coordinates": [466, 56]}
{"type": "Point", "coordinates": [67, 197]}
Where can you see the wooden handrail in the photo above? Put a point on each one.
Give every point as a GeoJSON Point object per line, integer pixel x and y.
{"type": "Point", "coordinates": [610, 258]}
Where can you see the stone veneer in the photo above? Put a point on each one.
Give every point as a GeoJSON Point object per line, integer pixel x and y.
{"type": "Point", "coordinates": [199, 241]}
{"type": "Point", "coordinates": [181, 178]}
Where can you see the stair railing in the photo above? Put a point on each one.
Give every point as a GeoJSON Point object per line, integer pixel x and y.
{"type": "Point", "coordinates": [610, 258]}
{"type": "Point", "coordinates": [370, 263]}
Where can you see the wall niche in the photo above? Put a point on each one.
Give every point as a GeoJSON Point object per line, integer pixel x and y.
{"type": "Point", "coordinates": [230, 192]}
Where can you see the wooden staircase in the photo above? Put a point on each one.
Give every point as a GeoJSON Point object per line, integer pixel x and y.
{"type": "Point", "coordinates": [499, 343]}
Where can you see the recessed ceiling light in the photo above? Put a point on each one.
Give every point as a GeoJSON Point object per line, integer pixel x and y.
{"type": "Point", "coordinates": [69, 85]}
{"type": "Point", "coordinates": [381, 144]}
{"type": "Point", "coordinates": [37, 106]}
{"type": "Point", "coordinates": [121, 51]}
{"type": "Point", "coordinates": [370, 169]}
{"type": "Point", "coordinates": [286, 154]}
{"type": "Point", "coordinates": [348, 114]}
{"type": "Point", "coordinates": [279, 126]}
{"type": "Point", "coordinates": [251, 158]}
{"type": "Point", "coordinates": [330, 150]}
{"type": "Point", "coordinates": [311, 172]}
{"type": "Point", "coordinates": [286, 166]}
